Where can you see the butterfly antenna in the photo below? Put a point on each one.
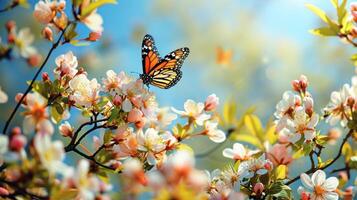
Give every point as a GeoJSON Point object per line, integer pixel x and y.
{"type": "Point", "coordinates": [134, 72]}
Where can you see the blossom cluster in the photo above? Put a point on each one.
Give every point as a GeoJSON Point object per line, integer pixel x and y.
{"type": "Point", "coordinates": [19, 44]}
{"type": "Point", "coordinates": [295, 114]}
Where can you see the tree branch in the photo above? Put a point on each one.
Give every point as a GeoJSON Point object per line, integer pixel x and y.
{"type": "Point", "coordinates": [349, 134]}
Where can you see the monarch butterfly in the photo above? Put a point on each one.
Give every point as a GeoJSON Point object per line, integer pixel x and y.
{"type": "Point", "coordinates": [161, 72]}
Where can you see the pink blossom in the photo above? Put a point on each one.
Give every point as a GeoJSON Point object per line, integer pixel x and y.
{"type": "Point", "coordinates": [211, 102]}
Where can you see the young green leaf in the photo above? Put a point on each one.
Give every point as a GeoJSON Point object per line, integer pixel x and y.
{"type": "Point", "coordinates": [94, 5]}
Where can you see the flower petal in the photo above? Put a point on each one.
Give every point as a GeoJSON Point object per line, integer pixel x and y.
{"type": "Point", "coordinates": [306, 181]}
{"type": "Point", "coordinates": [330, 184]}
{"type": "Point", "coordinates": [318, 178]}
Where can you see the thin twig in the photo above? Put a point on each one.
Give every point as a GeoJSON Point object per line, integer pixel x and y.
{"type": "Point", "coordinates": [10, 6]}
{"type": "Point", "coordinates": [91, 158]}
{"type": "Point", "coordinates": [329, 164]}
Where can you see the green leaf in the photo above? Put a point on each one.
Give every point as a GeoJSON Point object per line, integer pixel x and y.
{"type": "Point", "coordinates": [323, 164]}
{"type": "Point", "coordinates": [342, 12]}
{"type": "Point", "coordinates": [229, 112]}
{"type": "Point", "coordinates": [298, 154]}
{"type": "Point", "coordinates": [64, 194]}
{"type": "Point", "coordinates": [307, 148]}
{"type": "Point", "coordinates": [254, 126]}
{"type": "Point", "coordinates": [320, 13]}
{"type": "Point", "coordinates": [347, 151]}
{"type": "Point", "coordinates": [56, 116]}
{"type": "Point", "coordinates": [78, 43]}
{"type": "Point", "coordinates": [323, 31]}
{"type": "Point", "coordinates": [94, 5]}
{"type": "Point", "coordinates": [185, 147]}
{"type": "Point", "coordinates": [275, 188]}
{"type": "Point", "coordinates": [107, 136]}
{"type": "Point", "coordinates": [281, 172]}
{"type": "Point", "coordinates": [71, 32]}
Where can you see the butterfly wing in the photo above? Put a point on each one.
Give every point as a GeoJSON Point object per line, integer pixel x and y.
{"type": "Point", "coordinates": [167, 72]}
{"type": "Point", "coordinates": [149, 53]}
{"type": "Point", "coordinates": [166, 77]}
{"type": "Point", "coordinates": [173, 60]}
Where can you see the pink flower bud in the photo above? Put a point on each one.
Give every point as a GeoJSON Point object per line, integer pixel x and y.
{"type": "Point", "coordinates": [353, 32]}
{"type": "Point", "coordinates": [34, 60]}
{"type": "Point", "coordinates": [66, 129]}
{"type": "Point", "coordinates": [300, 85]}
{"type": "Point", "coordinates": [45, 76]}
{"type": "Point", "coordinates": [18, 142]}
{"type": "Point", "coordinates": [135, 115]}
{"type": "Point", "coordinates": [4, 191]}
{"type": "Point", "coordinates": [211, 102]}
{"type": "Point", "coordinates": [258, 188]}
{"type": "Point", "coordinates": [11, 38]}
{"type": "Point", "coordinates": [16, 131]}
{"type": "Point", "coordinates": [353, 9]}
{"type": "Point", "coordinates": [295, 85]}
{"type": "Point", "coordinates": [117, 100]}
{"type": "Point", "coordinates": [94, 36]}
{"type": "Point", "coordinates": [47, 33]}
{"type": "Point", "coordinates": [10, 25]}
{"type": "Point", "coordinates": [268, 166]}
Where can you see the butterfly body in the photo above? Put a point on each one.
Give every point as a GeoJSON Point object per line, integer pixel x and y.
{"type": "Point", "coordinates": [161, 72]}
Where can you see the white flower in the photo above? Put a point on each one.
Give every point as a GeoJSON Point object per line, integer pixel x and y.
{"type": "Point", "coordinates": [162, 118]}
{"type": "Point", "coordinates": [23, 42]}
{"type": "Point", "coordinates": [179, 162]}
{"type": "Point", "coordinates": [86, 92]}
{"type": "Point", "coordinates": [87, 184]}
{"type": "Point", "coordinates": [111, 82]}
{"type": "Point", "coordinates": [43, 11]}
{"type": "Point", "coordinates": [66, 65]}
{"type": "Point", "coordinates": [302, 124]}
{"type": "Point", "coordinates": [193, 111]}
{"type": "Point", "coordinates": [94, 22]}
{"type": "Point", "coordinates": [213, 132]}
{"type": "Point", "coordinates": [3, 96]}
{"type": "Point", "coordinates": [320, 187]}
{"type": "Point", "coordinates": [239, 152]}
{"type": "Point", "coordinates": [133, 169]}
{"type": "Point", "coordinates": [51, 154]}
{"type": "Point", "coordinates": [337, 108]}
{"type": "Point", "coordinates": [150, 142]}
{"type": "Point", "coordinates": [36, 115]}
{"type": "Point", "coordinates": [285, 108]}
{"type": "Point", "coordinates": [254, 166]}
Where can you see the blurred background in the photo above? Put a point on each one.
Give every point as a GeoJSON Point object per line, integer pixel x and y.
{"type": "Point", "coordinates": [246, 51]}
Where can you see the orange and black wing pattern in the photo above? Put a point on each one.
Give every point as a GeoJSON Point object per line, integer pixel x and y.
{"type": "Point", "coordinates": [163, 73]}
{"type": "Point", "coordinates": [149, 53]}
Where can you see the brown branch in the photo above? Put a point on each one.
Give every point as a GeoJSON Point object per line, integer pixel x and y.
{"type": "Point", "coordinates": [10, 6]}
{"type": "Point", "coordinates": [329, 164]}
{"type": "Point", "coordinates": [348, 39]}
